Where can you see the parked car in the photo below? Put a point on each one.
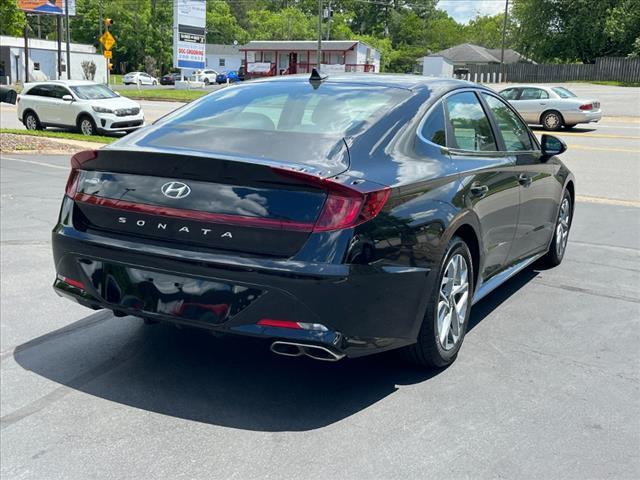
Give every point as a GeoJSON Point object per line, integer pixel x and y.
{"type": "Point", "coordinates": [206, 76]}
{"type": "Point", "coordinates": [248, 212]}
{"type": "Point", "coordinates": [170, 78]}
{"type": "Point", "coordinates": [88, 106]}
{"type": "Point", "coordinates": [233, 76]}
{"type": "Point", "coordinates": [139, 78]}
{"type": "Point", "coordinates": [552, 107]}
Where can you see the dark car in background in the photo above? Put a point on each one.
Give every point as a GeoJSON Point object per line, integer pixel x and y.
{"type": "Point", "coordinates": [170, 78]}
{"type": "Point", "coordinates": [335, 217]}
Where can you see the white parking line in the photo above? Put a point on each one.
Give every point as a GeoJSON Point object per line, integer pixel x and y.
{"type": "Point", "coordinates": [34, 162]}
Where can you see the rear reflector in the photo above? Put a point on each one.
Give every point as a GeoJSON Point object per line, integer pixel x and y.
{"type": "Point", "coordinates": [70, 281]}
{"type": "Point", "coordinates": [586, 106]}
{"type": "Point", "coordinates": [345, 207]}
{"type": "Point", "coordinates": [269, 322]}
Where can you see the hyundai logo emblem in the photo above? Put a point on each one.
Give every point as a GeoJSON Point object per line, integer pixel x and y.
{"type": "Point", "coordinates": [175, 190]}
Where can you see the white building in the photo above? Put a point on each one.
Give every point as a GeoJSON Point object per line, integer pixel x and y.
{"type": "Point", "coordinates": [43, 60]}
{"type": "Point", "coordinates": [434, 66]}
{"type": "Point", "coordinates": [223, 57]}
{"type": "Point", "coordinates": [299, 56]}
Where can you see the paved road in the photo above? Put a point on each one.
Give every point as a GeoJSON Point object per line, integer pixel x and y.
{"type": "Point", "coordinates": [546, 386]}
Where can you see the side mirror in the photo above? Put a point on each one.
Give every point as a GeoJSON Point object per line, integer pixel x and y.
{"type": "Point", "coordinates": [552, 146]}
{"type": "Point", "coordinates": [67, 98]}
{"type": "Point", "coordinates": [8, 95]}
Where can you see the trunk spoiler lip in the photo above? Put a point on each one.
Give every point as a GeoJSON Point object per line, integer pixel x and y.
{"type": "Point", "coordinates": [327, 171]}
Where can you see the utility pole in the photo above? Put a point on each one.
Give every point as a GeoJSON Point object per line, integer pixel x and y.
{"type": "Point", "coordinates": [504, 35]}
{"type": "Point", "coordinates": [329, 15]}
{"type": "Point", "coordinates": [26, 52]}
{"type": "Point", "coordinates": [59, 35]}
{"type": "Point", "coordinates": [66, 16]}
{"type": "Point", "coordinates": [319, 50]}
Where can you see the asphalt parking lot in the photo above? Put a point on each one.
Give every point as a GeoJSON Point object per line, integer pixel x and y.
{"type": "Point", "coordinates": [547, 384]}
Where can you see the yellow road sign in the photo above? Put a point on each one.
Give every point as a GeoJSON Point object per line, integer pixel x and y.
{"type": "Point", "coordinates": [107, 40]}
{"type": "Point", "coordinates": [107, 54]}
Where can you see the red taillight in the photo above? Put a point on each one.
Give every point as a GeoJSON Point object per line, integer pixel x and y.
{"type": "Point", "coordinates": [586, 106]}
{"type": "Point", "coordinates": [345, 207]}
{"type": "Point", "coordinates": [268, 322]}
{"type": "Point", "coordinates": [76, 163]}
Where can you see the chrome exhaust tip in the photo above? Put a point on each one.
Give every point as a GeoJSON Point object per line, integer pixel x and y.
{"type": "Point", "coordinates": [317, 352]}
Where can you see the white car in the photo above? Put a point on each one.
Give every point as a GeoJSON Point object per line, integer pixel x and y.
{"type": "Point", "coordinates": [88, 106]}
{"type": "Point", "coordinates": [551, 107]}
{"type": "Point", "coordinates": [207, 76]}
{"type": "Point", "coordinates": [139, 78]}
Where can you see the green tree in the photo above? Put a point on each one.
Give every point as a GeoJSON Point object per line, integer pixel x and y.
{"type": "Point", "coordinates": [11, 18]}
{"type": "Point", "coordinates": [222, 25]}
{"type": "Point", "coordinates": [287, 24]}
{"type": "Point", "coordinates": [485, 31]}
{"type": "Point", "coordinates": [570, 30]}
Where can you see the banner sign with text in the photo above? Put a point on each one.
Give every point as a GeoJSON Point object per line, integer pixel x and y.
{"type": "Point", "coordinates": [189, 42]}
{"type": "Point", "coordinates": [51, 7]}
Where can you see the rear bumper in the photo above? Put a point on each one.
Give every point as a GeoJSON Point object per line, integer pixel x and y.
{"type": "Point", "coordinates": [365, 309]}
{"type": "Point", "coordinates": [587, 116]}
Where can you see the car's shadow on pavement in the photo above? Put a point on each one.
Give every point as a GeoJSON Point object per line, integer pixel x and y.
{"type": "Point", "coordinates": [230, 381]}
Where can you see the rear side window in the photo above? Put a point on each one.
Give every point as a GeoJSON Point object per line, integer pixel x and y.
{"type": "Point", "coordinates": [434, 128]}
{"type": "Point", "coordinates": [514, 132]}
{"type": "Point", "coordinates": [533, 94]}
{"type": "Point", "coordinates": [470, 127]}
{"type": "Point", "coordinates": [509, 93]}
{"type": "Point", "coordinates": [40, 91]}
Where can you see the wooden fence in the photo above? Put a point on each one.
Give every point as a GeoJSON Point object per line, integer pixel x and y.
{"type": "Point", "coordinates": [620, 69]}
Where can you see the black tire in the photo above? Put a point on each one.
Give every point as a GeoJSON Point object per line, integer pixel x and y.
{"type": "Point", "coordinates": [557, 249]}
{"type": "Point", "coordinates": [87, 126]}
{"type": "Point", "coordinates": [206, 82]}
{"type": "Point", "coordinates": [552, 120]}
{"type": "Point", "coordinates": [429, 351]}
{"type": "Point", "coordinates": [31, 121]}
{"type": "Point", "coordinates": [155, 83]}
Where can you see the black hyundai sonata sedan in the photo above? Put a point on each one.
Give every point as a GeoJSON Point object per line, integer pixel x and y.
{"type": "Point", "coordinates": [336, 216]}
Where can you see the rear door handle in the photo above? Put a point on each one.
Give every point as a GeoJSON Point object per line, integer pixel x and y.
{"type": "Point", "coordinates": [478, 190]}
{"type": "Point", "coordinates": [524, 180]}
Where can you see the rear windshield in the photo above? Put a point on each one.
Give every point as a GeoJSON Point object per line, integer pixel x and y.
{"type": "Point", "coordinates": [563, 92]}
{"type": "Point", "coordinates": [93, 92]}
{"type": "Point", "coordinates": [334, 110]}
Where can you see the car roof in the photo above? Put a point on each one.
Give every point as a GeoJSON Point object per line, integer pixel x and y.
{"type": "Point", "coordinates": [524, 85]}
{"type": "Point", "coordinates": [65, 83]}
{"type": "Point", "coordinates": [405, 81]}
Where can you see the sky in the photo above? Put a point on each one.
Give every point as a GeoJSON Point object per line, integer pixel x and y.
{"type": "Point", "coordinates": [464, 10]}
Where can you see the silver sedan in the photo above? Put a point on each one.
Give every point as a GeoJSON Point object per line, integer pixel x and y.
{"type": "Point", "coordinates": [551, 107]}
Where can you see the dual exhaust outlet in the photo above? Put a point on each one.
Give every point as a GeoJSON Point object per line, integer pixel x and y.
{"type": "Point", "coordinates": [292, 349]}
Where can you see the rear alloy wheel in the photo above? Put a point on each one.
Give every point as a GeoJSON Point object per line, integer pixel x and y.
{"type": "Point", "coordinates": [32, 122]}
{"type": "Point", "coordinates": [552, 120]}
{"type": "Point", "coordinates": [87, 126]}
{"type": "Point", "coordinates": [558, 245]}
{"type": "Point", "coordinates": [447, 316]}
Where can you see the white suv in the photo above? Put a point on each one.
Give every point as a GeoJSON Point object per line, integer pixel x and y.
{"type": "Point", "coordinates": [90, 107]}
{"type": "Point", "coordinates": [207, 76]}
